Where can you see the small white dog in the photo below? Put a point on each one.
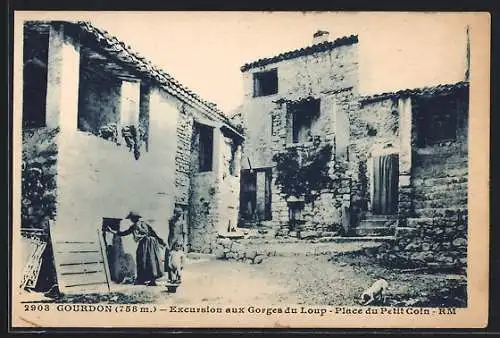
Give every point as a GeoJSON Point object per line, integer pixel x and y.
{"type": "Point", "coordinates": [374, 292]}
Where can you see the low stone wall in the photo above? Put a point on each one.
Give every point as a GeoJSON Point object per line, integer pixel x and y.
{"type": "Point", "coordinates": [319, 235]}
{"type": "Point", "coordinates": [226, 248]}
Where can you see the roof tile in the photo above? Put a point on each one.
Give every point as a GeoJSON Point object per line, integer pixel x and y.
{"type": "Point", "coordinates": [319, 47]}
{"type": "Point", "coordinates": [422, 91]}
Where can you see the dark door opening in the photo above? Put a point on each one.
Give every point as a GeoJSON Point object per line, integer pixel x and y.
{"type": "Point", "coordinates": [255, 195]}
{"type": "Point", "coordinates": [385, 184]}
{"type": "Point", "coordinates": [248, 196]}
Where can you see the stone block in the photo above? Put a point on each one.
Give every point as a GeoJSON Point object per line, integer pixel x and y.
{"type": "Point", "coordinates": [413, 246]}
{"type": "Point", "coordinates": [250, 254]}
{"type": "Point", "coordinates": [258, 259]}
{"type": "Point", "coordinates": [237, 247]}
{"type": "Point", "coordinates": [460, 242]}
{"type": "Point", "coordinates": [307, 234]}
{"type": "Point", "coordinates": [219, 253]}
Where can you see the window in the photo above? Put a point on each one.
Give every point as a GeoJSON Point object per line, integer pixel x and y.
{"type": "Point", "coordinates": [206, 137]}
{"type": "Point", "coordinates": [229, 154]}
{"type": "Point", "coordinates": [232, 160]}
{"type": "Point", "coordinates": [436, 120]}
{"type": "Point", "coordinates": [35, 59]}
{"type": "Point", "coordinates": [302, 116]}
{"type": "Point", "coordinates": [265, 83]}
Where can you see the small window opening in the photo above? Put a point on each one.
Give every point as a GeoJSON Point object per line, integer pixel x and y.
{"type": "Point", "coordinates": [436, 120]}
{"type": "Point", "coordinates": [206, 137]}
{"type": "Point", "coordinates": [265, 83]}
{"type": "Point", "coordinates": [35, 60]}
{"type": "Point", "coordinates": [232, 158]}
{"type": "Point", "coordinates": [99, 100]}
{"type": "Point", "coordinates": [302, 116]}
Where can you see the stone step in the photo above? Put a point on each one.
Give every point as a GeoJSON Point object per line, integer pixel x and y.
{"type": "Point", "coordinates": [442, 187]}
{"type": "Point", "coordinates": [435, 193]}
{"type": "Point", "coordinates": [379, 217]}
{"type": "Point", "coordinates": [441, 196]}
{"type": "Point", "coordinates": [444, 159]}
{"type": "Point", "coordinates": [448, 171]}
{"type": "Point", "coordinates": [463, 186]}
{"type": "Point", "coordinates": [440, 212]}
{"type": "Point", "coordinates": [418, 222]}
{"type": "Point", "coordinates": [442, 181]}
{"type": "Point", "coordinates": [376, 222]}
{"type": "Point", "coordinates": [373, 231]}
{"type": "Point", "coordinates": [451, 201]}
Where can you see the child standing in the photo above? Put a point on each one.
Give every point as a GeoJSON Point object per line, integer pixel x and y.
{"type": "Point", "coordinates": [174, 263]}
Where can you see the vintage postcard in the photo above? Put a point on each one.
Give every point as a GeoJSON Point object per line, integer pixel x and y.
{"type": "Point", "coordinates": [250, 169]}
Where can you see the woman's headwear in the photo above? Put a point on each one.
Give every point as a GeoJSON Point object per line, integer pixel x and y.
{"type": "Point", "coordinates": [133, 214]}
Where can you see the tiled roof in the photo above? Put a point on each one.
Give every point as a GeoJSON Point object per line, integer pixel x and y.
{"type": "Point", "coordinates": [116, 48]}
{"type": "Point", "coordinates": [319, 47]}
{"type": "Point", "coordinates": [441, 89]}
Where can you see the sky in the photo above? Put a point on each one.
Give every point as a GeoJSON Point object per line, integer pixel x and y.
{"type": "Point", "coordinates": [205, 50]}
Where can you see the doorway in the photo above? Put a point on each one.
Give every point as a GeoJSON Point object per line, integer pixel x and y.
{"type": "Point", "coordinates": [385, 184]}
{"type": "Point", "coordinates": [255, 194]}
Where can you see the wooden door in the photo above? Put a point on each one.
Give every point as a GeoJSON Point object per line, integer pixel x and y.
{"type": "Point", "coordinates": [385, 184]}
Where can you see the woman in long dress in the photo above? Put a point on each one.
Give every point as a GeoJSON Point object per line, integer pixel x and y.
{"type": "Point", "coordinates": [148, 258]}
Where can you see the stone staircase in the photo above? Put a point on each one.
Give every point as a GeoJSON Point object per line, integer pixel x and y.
{"type": "Point", "coordinates": [440, 191]}
{"type": "Point", "coordinates": [376, 225]}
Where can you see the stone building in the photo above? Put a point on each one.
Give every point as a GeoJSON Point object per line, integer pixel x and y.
{"type": "Point", "coordinates": [321, 160]}
{"type": "Point", "coordinates": [409, 165]}
{"type": "Point", "coordinates": [104, 132]}
{"type": "Point", "coordinates": [298, 100]}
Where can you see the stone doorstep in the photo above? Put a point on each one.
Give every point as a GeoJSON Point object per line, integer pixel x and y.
{"type": "Point", "coordinates": [375, 222]}
{"type": "Point", "coordinates": [373, 231]}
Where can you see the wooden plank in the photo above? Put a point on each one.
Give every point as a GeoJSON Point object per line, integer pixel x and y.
{"type": "Point", "coordinates": [77, 247]}
{"type": "Point", "coordinates": [84, 278]}
{"type": "Point", "coordinates": [80, 268]}
{"type": "Point", "coordinates": [78, 257]}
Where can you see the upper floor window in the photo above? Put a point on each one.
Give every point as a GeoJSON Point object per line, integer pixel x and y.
{"type": "Point", "coordinates": [436, 120]}
{"type": "Point", "coordinates": [265, 83]}
{"type": "Point", "coordinates": [302, 116]}
{"type": "Point", "coordinates": [206, 139]}
{"type": "Point", "coordinates": [35, 58]}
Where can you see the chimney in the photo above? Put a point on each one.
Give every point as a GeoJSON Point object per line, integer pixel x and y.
{"type": "Point", "coordinates": [320, 37]}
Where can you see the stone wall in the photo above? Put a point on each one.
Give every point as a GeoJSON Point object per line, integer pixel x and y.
{"type": "Point", "coordinates": [331, 77]}
{"type": "Point", "coordinates": [183, 156]}
{"type": "Point", "coordinates": [203, 212]}
{"type": "Point", "coordinates": [214, 197]}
